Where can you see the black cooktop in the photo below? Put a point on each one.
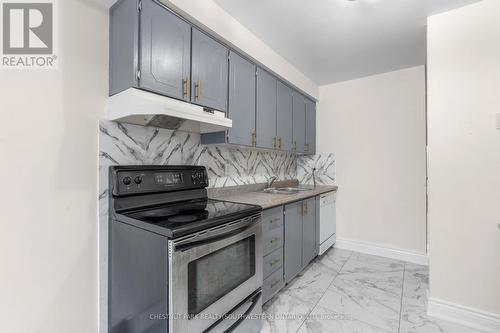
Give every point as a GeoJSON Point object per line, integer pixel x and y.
{"type": "Point", "coordinates": [179, 219]}
{"type": "Point", "coordinates": [169, 200]}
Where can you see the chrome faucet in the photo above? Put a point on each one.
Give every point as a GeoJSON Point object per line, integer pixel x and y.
{"type": "Point", "coordinates": [271, 180]}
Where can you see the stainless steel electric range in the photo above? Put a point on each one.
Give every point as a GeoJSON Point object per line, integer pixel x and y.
{"type": "Point", "coordinates": [178, 261]}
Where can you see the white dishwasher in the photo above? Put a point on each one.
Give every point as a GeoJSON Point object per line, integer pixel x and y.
{"type": "Point", "coordinates": [327, 222]}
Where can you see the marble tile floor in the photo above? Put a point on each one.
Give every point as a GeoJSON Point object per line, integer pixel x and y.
{"type": "Point", "coordinates": [350, 292]}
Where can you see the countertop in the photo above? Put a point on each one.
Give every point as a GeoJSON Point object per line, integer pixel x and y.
{"type": "Point", "coordinates": [253, 195]}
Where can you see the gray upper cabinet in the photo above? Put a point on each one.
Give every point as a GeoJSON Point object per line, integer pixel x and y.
{"type": "Point", "coordinates": [154, 49]}
{"type": "Point", "coordinates": [241, 107]}
{"type": "Point", "coordinates": [165, 51]}
{"type": "Point", "coordinates": [293, 240]}
{"type": "Point", "coordinates": [123, 46]}
{"type": "Point", "coordinates": [309, 241]}
{"type": "Point", "coordinates": [209, 66]}
{"type": "Point", "coordinates": [310, 147]}
{"type": "Point", "coordinates": [266, 109]}
{"type": "Point", "coordinates": [299, 122]}
{"type": "Point", "coordinates": [284, 117]}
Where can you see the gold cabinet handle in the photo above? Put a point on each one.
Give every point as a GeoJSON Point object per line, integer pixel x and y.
{"type": "Point", "coordinates": [277, 219]}
{"type": "Point", "coordinates": [197, 90]}
{"type": "Point", "coordinates": [306, 208]}
{"type": "Point", "coordinates": [274, 262]}
{"type": "Point", "coordinates": [294, 146]}
{"type": "Point", "coordinates": [279, 143]}
{"type": "Point", "coordinates": [185, 88]}
{"type": "Point", "coordinates": [301, 210]}
{"type": "Point", "coordinates": [275, 142]}
{"type": "Point", "coordinates": [254, 138]}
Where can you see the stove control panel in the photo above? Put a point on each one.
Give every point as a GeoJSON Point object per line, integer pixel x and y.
{"type": "Point", "coordinates": [128, 180]}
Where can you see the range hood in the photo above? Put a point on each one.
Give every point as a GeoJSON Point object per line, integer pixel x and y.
{"type": "Point", "coordinates": [139, 107]}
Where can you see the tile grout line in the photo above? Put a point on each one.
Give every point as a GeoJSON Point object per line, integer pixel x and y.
{"type": "Point", "coordinates": [324, 292]}
{"type": "Point", "coordinates": [402, 293]}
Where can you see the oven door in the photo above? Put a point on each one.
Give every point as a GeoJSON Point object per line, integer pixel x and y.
{"type": "Point", "coordinates": [212, 273]}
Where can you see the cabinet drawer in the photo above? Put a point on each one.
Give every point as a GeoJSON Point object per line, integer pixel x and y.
{"type": "Point", "coordinates": [272, 262]}
{"type": "Point", "coordinates": [273, 240]}
{"type": "Point", "coordinates": [272, 285]}
{"type": "Point", "coordinates": [272, 219]}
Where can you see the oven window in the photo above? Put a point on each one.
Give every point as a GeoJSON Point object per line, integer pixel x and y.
{"type": "Point", "coordinates": [216, 274]}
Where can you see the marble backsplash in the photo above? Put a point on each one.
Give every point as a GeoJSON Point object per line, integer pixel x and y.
{"type": "Point", "coordinates": [136, 145]}
{"type": "Point", "coordinates": [324, 165]}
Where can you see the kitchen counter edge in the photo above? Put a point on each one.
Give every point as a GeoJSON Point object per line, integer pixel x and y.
{"type": "Point", "coordinates": [266, 200]}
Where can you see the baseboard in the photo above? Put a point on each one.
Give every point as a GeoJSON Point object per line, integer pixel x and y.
{"type": "Point", "coordinates": [369, 248]}
{"type": "Point", "coordinates": [465, 316]}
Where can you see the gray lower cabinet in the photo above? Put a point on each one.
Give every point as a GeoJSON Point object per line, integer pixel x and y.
{"type": "Point", "coordinates": [271, 285]}
{"type": "Point", "coordinates": [272, 228]}
{"type": "Point", "coordinates": [290, 241]}
{"type": "Point", "coordinates": [293, 240]}
{"type": "Point", "coordinates": [299, 122]}
{"type": "Point", "coordinates": [241, 106]}
{"type": "Point", "coordinates": [209, 72]}
{"type": "Point", "coordinates": [284, 116]}
{"type": "Point", "coordinates": [273, 262]}
{"type": "Point", "coordinates": [301, 236]}
{"type": "Point", "coordinates": [266, 109]}
{"type": "Point", "coordinates": [309, 240]}
{"type": "Point", "coordinates": [310, 146]}
{"type": "Point", "coordinates": [165, 51]}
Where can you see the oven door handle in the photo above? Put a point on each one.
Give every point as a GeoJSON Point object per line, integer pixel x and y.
{"type": "Point", "coordinates": [204, 240]}
{"type": "Point", "coordinates": [245, 315]}
{"type": "Point", "coordinates": [253, 300]}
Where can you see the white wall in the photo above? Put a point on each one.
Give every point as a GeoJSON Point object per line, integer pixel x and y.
{"type": "Point", "coordinates": [376, 127]}
{"type": "Point", "coordinates": [48, 142]}
{"type": "Point", "coordinates": [213, 17]}
{"type": "Point", "coordinates": [464, 155]}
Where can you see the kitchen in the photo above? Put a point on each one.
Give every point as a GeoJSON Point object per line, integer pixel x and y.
{"type": "Point", "coordinates": [199, 170]}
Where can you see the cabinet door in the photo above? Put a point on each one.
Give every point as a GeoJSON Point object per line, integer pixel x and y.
{"type": "Point", "coordinates": [209, 65]}
{"type": "Point", "coordinates": [241, 107]}
{"type": "Point", "coordinates": [165, 49]}
{"type": "Point", "coordinates": [299, 122]}
{"type": "Point", "coordinates": [293, 240]}
{"type": "Point", "coordinates": [266, 109]}
{"type": "Point", "coordinates": [284, 123]}
{"type": "Point", "coordinates": [309, 231]}
{"type": "Point", "coordinates": [310, 127]}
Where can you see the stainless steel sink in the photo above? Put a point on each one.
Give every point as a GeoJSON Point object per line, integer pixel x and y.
{"type": "Point", "coordinates": [286, 190]}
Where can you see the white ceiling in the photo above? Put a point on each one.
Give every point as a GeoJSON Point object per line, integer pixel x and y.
{"type": "Point", "coordinates": [338, 40]}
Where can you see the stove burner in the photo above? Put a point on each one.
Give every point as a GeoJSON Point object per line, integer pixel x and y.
{"type": "Point", "coordinates": [183, 218]}
{"type": "Point", "coordinates": [160, 213]}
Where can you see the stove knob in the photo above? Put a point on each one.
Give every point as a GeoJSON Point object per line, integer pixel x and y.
{"type": "Point", "coordinates": [127, 181]}
{"type": "Point", "coordinates": [138, 180]}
